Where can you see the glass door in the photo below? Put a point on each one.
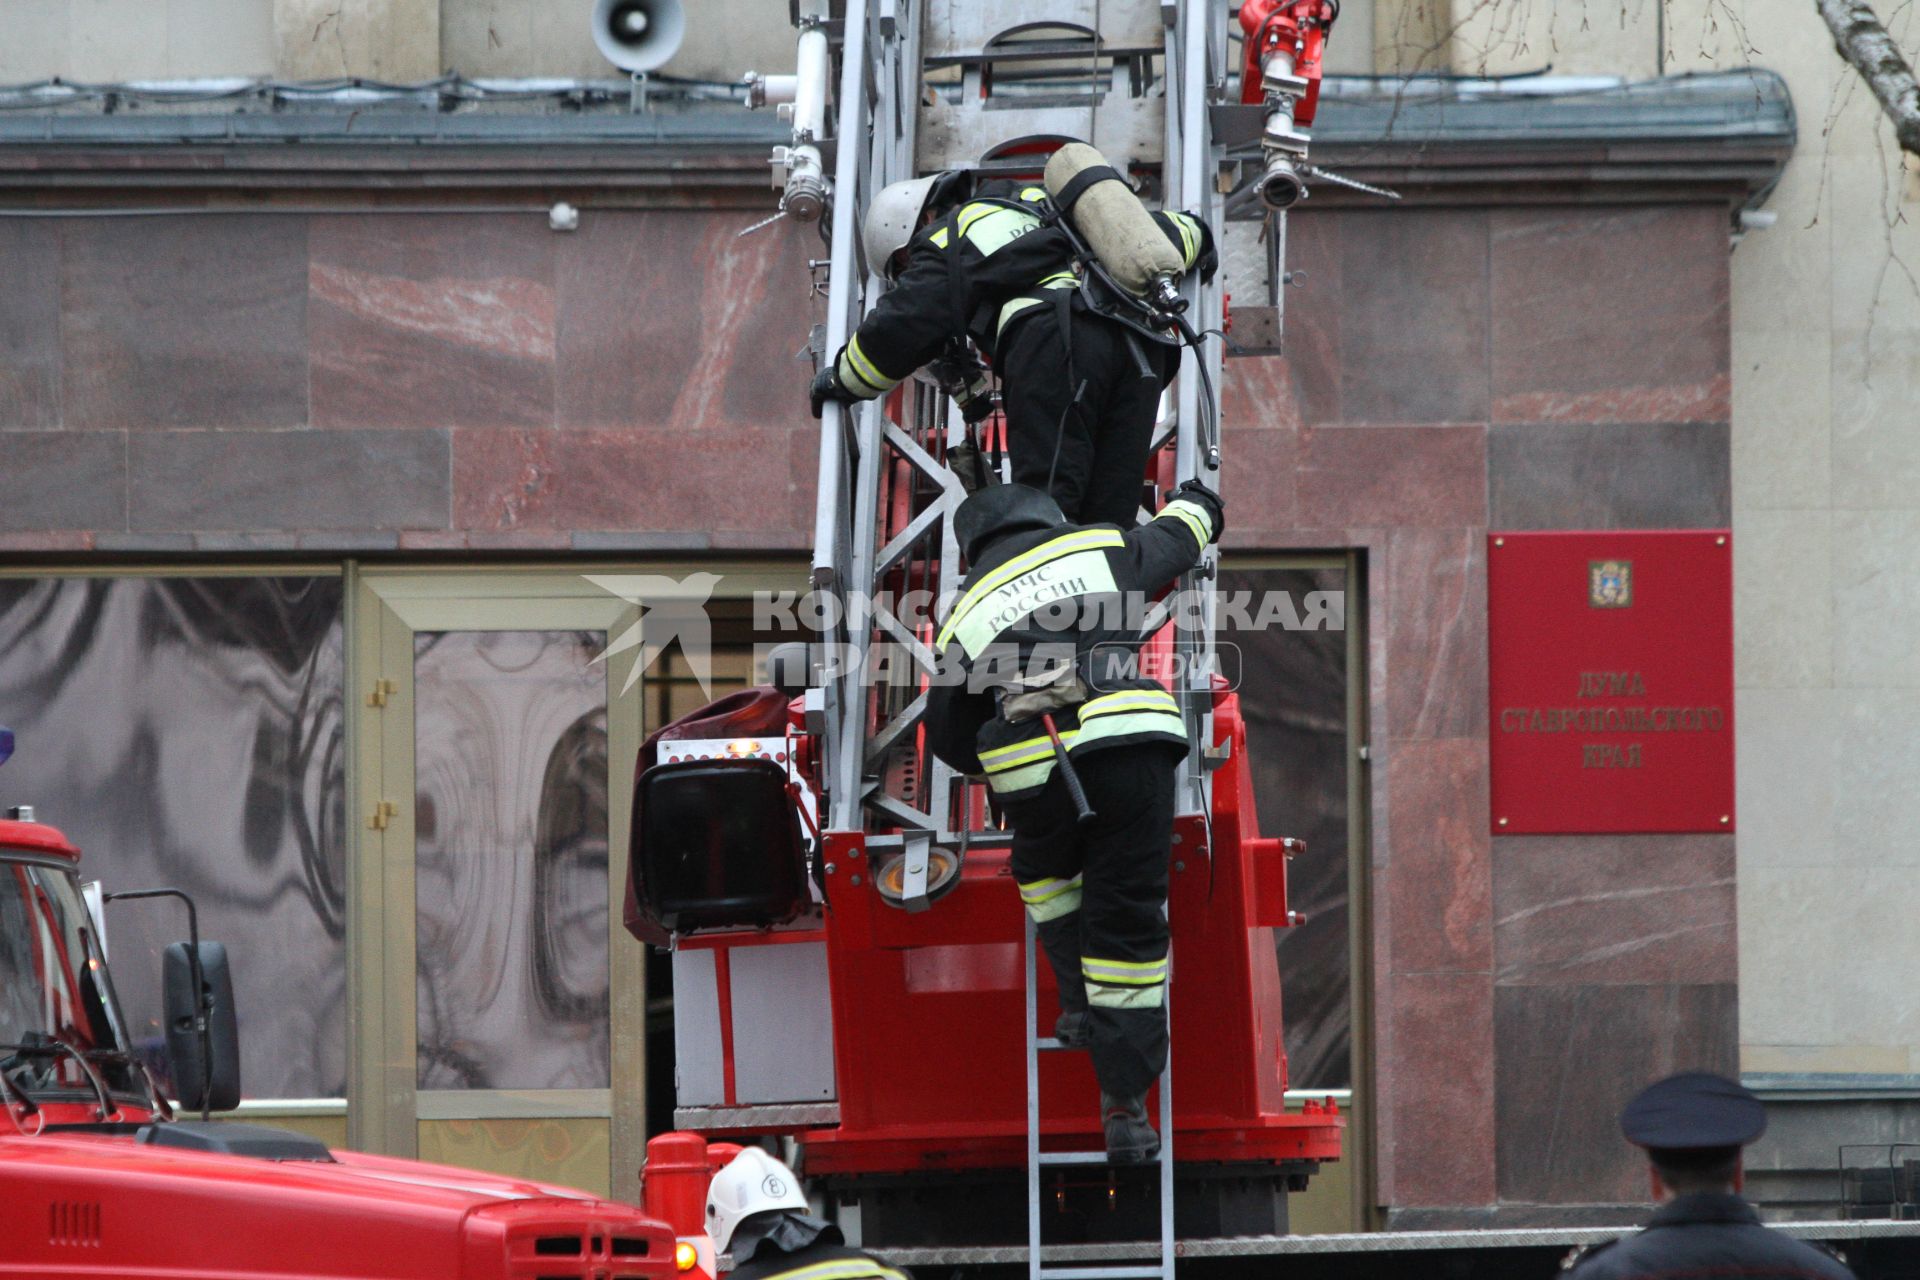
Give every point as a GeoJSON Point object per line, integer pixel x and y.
{"type": "Point", "coordinates": [499, 1005]}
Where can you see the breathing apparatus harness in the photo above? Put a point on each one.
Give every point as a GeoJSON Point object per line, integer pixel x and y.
{"type": "Point", "coordinates": [1159, 315]}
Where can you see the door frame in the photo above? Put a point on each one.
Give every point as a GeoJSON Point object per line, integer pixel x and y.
{"type": "Point", "coordinates": [1357, 1149]}
{"type": "Point", "coordinates": [385, 606]}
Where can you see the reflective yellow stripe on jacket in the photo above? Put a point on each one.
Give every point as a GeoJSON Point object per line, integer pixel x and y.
{"type": "Point", "coordinates": [1191, 514]}
{"type": "Point", "coordinates": [1190, 238]}
{"type": "Point", "coordinates": [840, 1269]}
{"type": "Point", "coordinates": [989, 228]}
{"type": "Point", "coordinates": [1027, 301]}
{"type": "Point", "coordinates": [1027, 764]}
{"type": "Point", "coordinates": [860, 375]}
{"type": "Point", "coordinates": [982, 612]}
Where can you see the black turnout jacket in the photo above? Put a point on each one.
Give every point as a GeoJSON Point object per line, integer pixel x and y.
{"type": "Point", "coordinates": [1036, 601]}
{"type": "Point", "coordinates": [986, 264]}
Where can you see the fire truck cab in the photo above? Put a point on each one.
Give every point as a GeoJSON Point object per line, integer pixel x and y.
{"type": "Point", "coordinates": [99, 1177]}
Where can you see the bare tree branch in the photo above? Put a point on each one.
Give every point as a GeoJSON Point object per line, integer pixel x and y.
{"type": "Point", "coordinates": [1865, 46]}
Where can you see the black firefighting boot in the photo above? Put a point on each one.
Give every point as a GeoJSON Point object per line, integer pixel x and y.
{"type": "Point", "coordinates": [1130, 1139]}
{"type": "Point", "coordinates": [1060, 939]}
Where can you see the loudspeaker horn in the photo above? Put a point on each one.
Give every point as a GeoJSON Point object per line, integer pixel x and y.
{"type": "Point", "coordinates": [638, 35]}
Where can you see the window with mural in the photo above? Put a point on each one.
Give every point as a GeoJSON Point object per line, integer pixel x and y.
{"type": "Point", "coordinates": [188, 732]}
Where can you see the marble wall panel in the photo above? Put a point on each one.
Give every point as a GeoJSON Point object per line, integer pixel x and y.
{"type": "Point", "coordinates": [79, 480]}
{"type": "Point", "coordinates": [1442, 881]}
{"type": "Point", "coordinates": [1613, 909]}
{"type": "Point", "coordinates": [241, 480]}
{"type": "Point", "coordinates": [1435, 620]}
{"type": "Point", "coordinates": [704, 479]}
{"type": "Point", "coordinates": [29, 323]}
{"type": "Point", "coordinates": [184, 321]}
{"type": "Point", "coordinates": [1424, 476]}
{"type": "Point", "coordinates": [1439, 1110]}
{"type": "Point", "coordinates": [1876, 599]}
{"type": "Point", "coordinates": [1876, 807]}
{"type": "Point", "coordinates": [1412, 337]}
{"type": "Point", "coordinates": [669, 319]}
{"type": "Point", "coordinates": [1786, 798]}
{"type": "Point", "coordinates": [432, 321]}
{"type": "Point", "coordinates": [1610, 315]}
{"type": "Point", "coordinates": [1784, 566]}
{"type": "Point", "coordinates": [1571, 1056]}
{"type": "Point", "coordinates": [1260, 393]}
{"type": "Point", "coordinates": [1579, 475]}
{"type": "Point", "coordinates": [1782, 455]}
{"type": "Point", "coordinates": [1313, 311]}
{"type": "Point", "coordinates": [1260, 481]}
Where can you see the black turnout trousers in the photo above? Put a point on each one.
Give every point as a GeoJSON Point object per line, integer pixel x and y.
{"type": "Point", "coordinates": [1103, 438]}
{"type": "Point", "coordinates": [1121, 856]}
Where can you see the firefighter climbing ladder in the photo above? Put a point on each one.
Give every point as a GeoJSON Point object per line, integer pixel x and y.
{"type": "Point", "coordinates": [926, 85]}
{"type": "Point", "coordinates": [916, 83]}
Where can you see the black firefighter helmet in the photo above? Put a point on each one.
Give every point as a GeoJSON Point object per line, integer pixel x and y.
{"type": "Point", "coordinates": [1000, 510]}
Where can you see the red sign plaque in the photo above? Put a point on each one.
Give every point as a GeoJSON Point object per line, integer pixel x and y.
{"type": "Point", "coordinates": [1610, 665]}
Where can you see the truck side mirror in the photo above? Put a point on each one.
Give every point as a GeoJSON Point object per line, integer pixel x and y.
{"type": "Point", "coordinates": [203, 1040]}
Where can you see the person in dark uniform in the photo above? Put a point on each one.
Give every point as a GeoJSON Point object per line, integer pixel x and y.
{"type": "Point", "coordinates": [1693, 1127]}
{"type": "Point", "coordinates": [1046, 603]}
{"type": "Point", "coordinates": [1081, 391]}
{"type": "Point", "coordinates": [757, 1213]}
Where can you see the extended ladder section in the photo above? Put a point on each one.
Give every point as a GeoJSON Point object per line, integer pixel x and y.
{"type": "Point", "coordinates": [926, 85]}
{"type": "Point", "coordinates": [960, 83]}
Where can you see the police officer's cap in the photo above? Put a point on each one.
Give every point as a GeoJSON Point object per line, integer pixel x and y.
{"type": "Point", "coordinates": [1693, 1111]}
{"type": "Point", "coordinates": [999, 510]}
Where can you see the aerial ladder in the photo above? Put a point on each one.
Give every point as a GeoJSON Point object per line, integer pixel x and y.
{"type": "Point", "coordinates": [909, 948]}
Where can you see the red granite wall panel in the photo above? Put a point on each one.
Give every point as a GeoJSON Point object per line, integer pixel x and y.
{"type": "Point", "coordinates": [1569, 1057]}
{"type": "Point", "coordinates": [1610, 315]}
{"type": "Point", "coordinates": [672, 319]}
{"type": "Point", "coordinates": [697, 480]}
{"type": "Point", "coordinates": [1435, 1088]}
{"type": "Point", "coordinates": [1614, 910]}
{"type": "Point", "coordinates": [432, 321]}
{"type": "Point", "coordinates": [1412, 293]}
{"type": "Point", "coordinates": [29, 324]}
{"type": "Point", "coordinates": [190, 321]}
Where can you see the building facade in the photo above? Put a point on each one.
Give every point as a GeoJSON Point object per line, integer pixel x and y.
{"type": "Point", "coordinates": [304, 401]}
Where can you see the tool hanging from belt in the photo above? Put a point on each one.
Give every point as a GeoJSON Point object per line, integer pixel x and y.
{"type": "Point", "coordinates": [1040, 697]}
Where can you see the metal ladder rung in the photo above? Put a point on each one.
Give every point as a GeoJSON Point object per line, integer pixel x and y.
{"type": "Point", "coordinates": [1048, 1044]}
{"type": "Point", "coordinates": [1083, 1157]}
{"type": "Point", "coordinates": [1038, 1159]}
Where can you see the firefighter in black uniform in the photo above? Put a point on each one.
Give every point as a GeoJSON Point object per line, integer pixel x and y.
{"type": "Point", "coordinates": [1028, 650]}
{"type": "Point", "coordinates": [1693, 1127]}
{"type": "Point", "coordinates": [1080, 391]}
{"type": "Point", "coordinates": [757, 1213]}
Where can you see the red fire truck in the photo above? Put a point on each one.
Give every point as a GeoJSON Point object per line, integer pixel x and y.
{"type": "Point", "coordinates": [99, 1177]}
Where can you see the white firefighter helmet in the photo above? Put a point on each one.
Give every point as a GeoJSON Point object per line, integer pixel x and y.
{"type": "Point", "coordinates": [892, 218]}
{"type": "Point", "coordinates": [753, 1182]}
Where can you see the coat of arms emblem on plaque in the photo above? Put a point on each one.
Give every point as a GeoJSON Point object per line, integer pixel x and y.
{"type": "Point", "coordinates": [1610, 583]}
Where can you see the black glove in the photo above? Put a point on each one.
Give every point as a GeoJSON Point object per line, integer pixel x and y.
{"type": "Point", "coordinates": [827, 386]}
{"type": "Point", "coordinates": [1198, 494]}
